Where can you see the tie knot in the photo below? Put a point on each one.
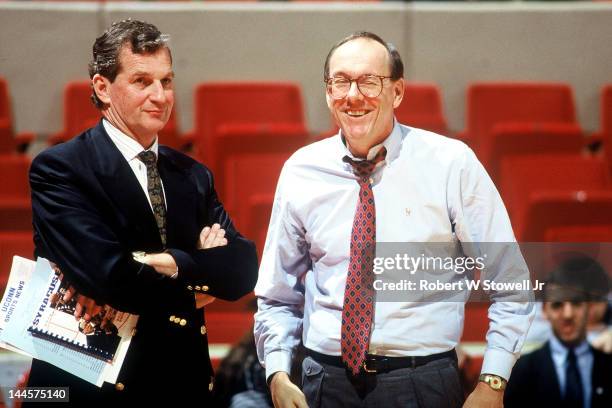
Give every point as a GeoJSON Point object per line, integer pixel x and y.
{"type": "Point", "coordinates": [363, 168]}
{"type": "Point", "coordinates": [148, 158]}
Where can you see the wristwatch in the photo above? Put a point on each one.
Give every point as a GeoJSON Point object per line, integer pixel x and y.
{"type": "Point", "coordinates": [494, 381]}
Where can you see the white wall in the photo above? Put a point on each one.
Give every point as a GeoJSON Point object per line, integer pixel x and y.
{"type": "Point", "coordinates": [43, 45]}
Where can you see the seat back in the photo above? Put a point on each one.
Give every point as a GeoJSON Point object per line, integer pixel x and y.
{"type": "Point", "coordinates": [13, 243]}
{"type": "Point", "coordinates": [7, 143]}
{"type": "Point", "coordinates": [250, 159]}
{"type": "Point", "coordinates": [547, 211]}
{"type": "Point", "coordinates": [606, 111]}
{"type": "Point", "coordinates": [218, 103]}
{"type": "Point", "coordinates": [14, 176]}
{"type": "Point", "coordinates": [522, 176]}
{"type": "Point", "coordinates": [491, 103]}
{"type": "Point", "coordinates": [421, 107]}
{"type": "Point", "coordinates": [79, 111]}
{"type": "Point", "coordinates": [519, 139]}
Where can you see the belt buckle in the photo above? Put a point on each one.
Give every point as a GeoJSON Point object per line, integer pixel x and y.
{"type": "Point", "coordinates": [369, 370]}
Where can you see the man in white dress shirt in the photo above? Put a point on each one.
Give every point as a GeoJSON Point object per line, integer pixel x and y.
{"type": "Point", "coordinates": [427, 188]}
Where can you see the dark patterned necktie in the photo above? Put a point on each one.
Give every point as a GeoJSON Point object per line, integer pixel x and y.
{"type": "Point", "coordinates": [156, 194]}
{"type": "Point", "coordinates": [358, 309]}
{"type": "Point", "coordinates": [573, 384]}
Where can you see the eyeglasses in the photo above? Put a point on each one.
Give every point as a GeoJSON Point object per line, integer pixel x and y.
{"type": "Point", "coordinates": [368, 85]}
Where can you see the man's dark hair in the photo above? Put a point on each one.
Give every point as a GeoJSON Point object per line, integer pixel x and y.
{"type": "Point", "coordinates": [142, 37]}
{"type": "Point", "coordinates": [395, 60]}
{"type": "Point", "coordinates": [582, 274]}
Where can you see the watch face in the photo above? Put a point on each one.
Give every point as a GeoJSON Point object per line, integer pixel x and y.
{"type": "Point", "coordinates": [495, 383]}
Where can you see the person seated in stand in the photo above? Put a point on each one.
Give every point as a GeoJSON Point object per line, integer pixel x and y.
{"type": "Point", "coordinates": [566, 371]}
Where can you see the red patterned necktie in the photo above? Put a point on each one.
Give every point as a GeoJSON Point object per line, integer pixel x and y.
{"type": "Point", "coordinates": [358, 309]}
{"type": "Point", "coordinates": [156, 193]}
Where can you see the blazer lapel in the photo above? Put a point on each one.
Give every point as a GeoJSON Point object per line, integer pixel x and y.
{"type": "Point", "coordinates": [122, 187]}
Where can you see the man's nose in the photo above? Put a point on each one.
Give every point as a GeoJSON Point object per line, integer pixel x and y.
{"type": "Point", "coordinates": [568, 310]}
{"type": "Point", "coordinates": [158, 93]}
{"type": "Point", "coordinates": [353, 92]}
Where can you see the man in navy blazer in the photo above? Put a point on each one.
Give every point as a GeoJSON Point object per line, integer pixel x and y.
{"type": "Point", "coordinates": [566, 371]}
{"type": "Point", "coordinates": [96, 202]}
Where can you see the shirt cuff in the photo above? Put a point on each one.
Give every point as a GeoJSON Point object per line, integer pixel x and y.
{"type": "Point", "coordinates": [498, 362]}
{"type": "Point", "coordinates": [279, 360]}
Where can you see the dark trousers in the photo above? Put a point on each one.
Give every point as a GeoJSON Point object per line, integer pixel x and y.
{"type": "Point", "coordinates": [432, 385]}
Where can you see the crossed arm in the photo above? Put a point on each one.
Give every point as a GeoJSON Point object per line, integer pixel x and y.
{"type": "Point", "coordinates": [163, 263]}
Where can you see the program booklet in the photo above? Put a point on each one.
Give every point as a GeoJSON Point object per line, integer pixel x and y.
{"type": "Point", "coordinates": [37, 321]}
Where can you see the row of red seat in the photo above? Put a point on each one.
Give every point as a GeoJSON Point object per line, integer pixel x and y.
{"type": "Point", "coordinates": [495, 110]}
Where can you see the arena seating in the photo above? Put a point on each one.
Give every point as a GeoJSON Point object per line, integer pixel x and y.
{"type": "Point", "coordinates": [9, 141]}
{"type": "Point", "coordinates": [536, 103]}
{"type": "Point", "coordinates": [226, 103]}
{"type": "Point", "coordinates": [422, 107]}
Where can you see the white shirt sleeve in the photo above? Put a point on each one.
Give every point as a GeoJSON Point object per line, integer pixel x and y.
{"type": "Point", "coordinates": [483, 227]}
{"type": "Point", "coordinates": [280, 290]}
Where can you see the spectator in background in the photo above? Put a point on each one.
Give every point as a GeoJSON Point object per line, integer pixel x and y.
{"type": "Point", "coordinates": [566, 372]}
{"type": "Point", "coordinates": [599, 325]}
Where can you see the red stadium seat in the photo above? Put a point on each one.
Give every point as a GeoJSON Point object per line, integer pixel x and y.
{"type": "Point", "coordinates": [605, 115]}
{"type": "Point", "coordinates": [260, 103]}
{"type": "Point", "coordinates": [81, 114]}
{"type": "Point", "coordinates": [605, 131]}
{"type": "Point", "coordinates": [15, 208]}
{"type": "Point", "coordinates": [549, 210]}
{"type": "Point", "coordinates": [250, 159]}
{"type": "Point", "coordinates": [476, 322]}
{"type": "Point", "coordinates": [79, 111]}
{"type": "Point", "coordinates": [9, 141]}
{"type": "Point", "coordinates": [515, 139]}
{"type": "Point", "coordinates": [491, 103]}
{"type": "Point", "coordinates": [422, 108]}
{"type": "Point", "coordinates": [258, 218]}
{"type": "Point", "coordinates": [13, 243]}
{"type": "Point", "coordinates": [523, 176]}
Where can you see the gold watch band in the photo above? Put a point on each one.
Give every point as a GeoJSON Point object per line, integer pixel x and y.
{"type": "Point", "coordinates": [494, 381]}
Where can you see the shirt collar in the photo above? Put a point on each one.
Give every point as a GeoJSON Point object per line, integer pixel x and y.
{"type": "Point", "coordinates": [392, 143]}
{"type": "Point", "coordinates": [128, 147]}
{"type": "Point", "coordinates": [560, 350]}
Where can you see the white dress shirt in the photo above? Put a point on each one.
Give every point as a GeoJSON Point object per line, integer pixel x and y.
{"type": "Point", "coordinates": [130, 149]}
{"type": "Point", "coordinates": [430, 189]}
{"type": "Point", "coordinates": [584, 360]}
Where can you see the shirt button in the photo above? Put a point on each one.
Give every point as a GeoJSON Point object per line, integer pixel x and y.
{"type": "Point", "coordinates": [119, 386]}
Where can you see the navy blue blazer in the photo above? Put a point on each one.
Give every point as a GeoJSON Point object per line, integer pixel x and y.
{"type": "Point", "coordinates": [534, 383]}
{"type": "Point", "coordinates": [90, 214]}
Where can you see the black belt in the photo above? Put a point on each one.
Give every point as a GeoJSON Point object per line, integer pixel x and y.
{"type": "Point", "coordinates": [382, 364]}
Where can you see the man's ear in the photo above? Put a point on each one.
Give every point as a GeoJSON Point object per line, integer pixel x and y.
{"type": "Point", "coordinates": [398, 92]}
{"type": "Point", "coordinates": [101, 86]}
